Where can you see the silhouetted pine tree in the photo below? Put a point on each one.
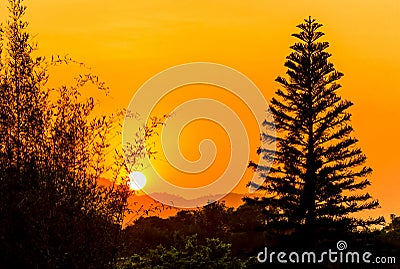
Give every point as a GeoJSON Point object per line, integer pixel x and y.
{"type": "Point", "coordinates": [318, 168]}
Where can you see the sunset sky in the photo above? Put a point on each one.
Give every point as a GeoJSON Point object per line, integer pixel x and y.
{"type": "Point", "coordinates": [127, 42]}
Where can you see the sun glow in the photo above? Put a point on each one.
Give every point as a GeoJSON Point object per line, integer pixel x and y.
{"type": "Point", "coordinates": [137, 180]}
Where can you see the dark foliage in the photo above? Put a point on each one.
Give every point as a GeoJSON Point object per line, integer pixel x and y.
{"type": "Point", "coordinates": [189, 253]}
{"type": "Point", "coordinates": [53, 212]}
{"type": "Point", "coordinates": [154, 242]}
{"type": "Point", "coordinates": [313, 185]}
{"type": "Point", "coordinates": [243, 228]}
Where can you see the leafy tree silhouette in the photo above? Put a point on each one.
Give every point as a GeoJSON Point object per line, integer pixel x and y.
{"type": "Point", "coordinates": [53, 212]}
{"type": "Point", "coordinates": [317, 167]}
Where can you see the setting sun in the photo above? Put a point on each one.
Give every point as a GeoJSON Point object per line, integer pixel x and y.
{"type": "Point", "coordinates": [137, 180]}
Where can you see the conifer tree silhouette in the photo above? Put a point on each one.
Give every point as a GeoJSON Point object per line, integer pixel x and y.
{"type": "Point", "coordinates": [317, 168]}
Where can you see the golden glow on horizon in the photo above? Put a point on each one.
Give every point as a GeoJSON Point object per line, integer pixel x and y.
{"type": "Point", "coordinates": [130, 41]}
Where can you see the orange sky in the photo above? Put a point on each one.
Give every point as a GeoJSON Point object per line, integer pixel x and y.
{"type": "Point", "coordinates": [127, 42]}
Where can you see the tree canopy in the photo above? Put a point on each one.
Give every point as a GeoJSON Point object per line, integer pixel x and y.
{"type": "Point", "coordinates": [53, 211]}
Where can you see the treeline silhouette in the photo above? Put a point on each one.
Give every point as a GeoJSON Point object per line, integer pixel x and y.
{"type": "Point", "coordinates": [183, 240]}
{"type": "Point", "coordinates": [55, 214]}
